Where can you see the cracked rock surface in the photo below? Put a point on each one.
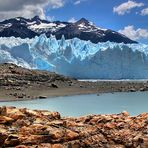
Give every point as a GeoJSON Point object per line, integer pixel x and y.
{"type": "Point", "coordinates": [24, 128]}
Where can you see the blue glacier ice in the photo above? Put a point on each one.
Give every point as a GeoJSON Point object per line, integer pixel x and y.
{"type": "Point", "coordinates": [77, 58]}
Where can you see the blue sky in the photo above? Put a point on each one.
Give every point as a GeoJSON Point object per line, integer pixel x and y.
{"type": "Point", "coordinates": [102, 13]}
{"type": "Point", "coordinates": [129, 17]}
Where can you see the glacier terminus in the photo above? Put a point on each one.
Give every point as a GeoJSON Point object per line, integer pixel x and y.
{"type": "Point", "coordinates": [77, 58]}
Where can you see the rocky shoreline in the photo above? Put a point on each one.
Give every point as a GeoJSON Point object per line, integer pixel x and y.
{"type": "Point", "coordinates": [17, 83]}
{"type": "Point", "coordinates": [24, 128]}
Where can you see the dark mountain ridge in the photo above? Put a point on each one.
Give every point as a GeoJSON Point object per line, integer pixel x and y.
{"type": "Point", "coordinates": [82, 29]}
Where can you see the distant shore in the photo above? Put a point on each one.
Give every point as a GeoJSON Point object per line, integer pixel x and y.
{"type": "Point", "coordinates": [85, 87]}
{"type": "Point", "coordinates": [42, 93]}
{"type": "Point", "coordinates": [17, 83]}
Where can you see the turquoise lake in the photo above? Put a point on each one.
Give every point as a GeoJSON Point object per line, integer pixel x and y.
{"type": "Point", "coordinates": [135, 103]}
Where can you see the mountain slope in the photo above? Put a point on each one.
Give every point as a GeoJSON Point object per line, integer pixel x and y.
{"type": "Point", "coordinates": [82, 29]}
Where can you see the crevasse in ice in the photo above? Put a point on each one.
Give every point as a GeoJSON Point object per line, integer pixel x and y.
{"type": "Point", "coordinates": [77, 58]}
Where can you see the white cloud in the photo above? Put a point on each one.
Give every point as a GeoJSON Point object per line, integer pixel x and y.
{"type": "Point", "coordinates": [77, 2]}
{"type": "Point", "coordinates": [27, 8]}
{"type": "Point", "coordinates": [56, 3]}
{"type": "Point", "coordinates": [126, 7]}
{"type": "Point", "coordinates": [133, 33]}
{"type": "Point", "coordinates": [144, 11]}
{"type": "Point", "coordinates": [72, 20]}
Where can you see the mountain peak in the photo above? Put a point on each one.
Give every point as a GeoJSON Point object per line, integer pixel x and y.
{"type": "Point", "coordinates": [36, 18]}
{"type": "Point", "coordinates": [83, 20]}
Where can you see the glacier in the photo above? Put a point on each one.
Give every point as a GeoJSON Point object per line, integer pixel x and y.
{"type": "Point", "coordinates": [77, 58]}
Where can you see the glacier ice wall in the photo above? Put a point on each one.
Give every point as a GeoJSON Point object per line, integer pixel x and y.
{"type": "Point", "coordinates": [77, 58]}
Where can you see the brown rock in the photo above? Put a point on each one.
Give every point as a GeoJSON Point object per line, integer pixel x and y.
{"type": "Point", "coordinates": [21, 146]}
{"type": "Point", "coordinates": [57, 146]}
{"type": "Point", "coordinates": [125, 113]}
{"type": "Point", "coordinates": [145, 142]}
{"type": "Point", "coordinates": [12, 140]}
{"type": "Point", "coordinates": [34, 139]}
{"type": "Point", "coordinates": [26, 128]}
{"type": "Point", "coordinates": [70, 135]}
{"type": "Point", "coordinates": [4, 120]}
{"type": "Point", "coordinates": [3, 137]}
{"type": "Point", "coordinates": [54, 85]}
{"type": "Point", "coordinates": [42, 97]}
{"type": "Point", "coordinates": [57, 134]}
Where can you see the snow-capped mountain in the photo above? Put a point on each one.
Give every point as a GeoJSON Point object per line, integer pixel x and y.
{"type": "Point", "coordinates": [77, 58]}
{"type": "Point", "coordinates": [82, 29]}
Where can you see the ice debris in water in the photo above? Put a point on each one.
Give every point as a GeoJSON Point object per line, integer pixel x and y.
{"type": "Point", "coordinates": [77, 58]}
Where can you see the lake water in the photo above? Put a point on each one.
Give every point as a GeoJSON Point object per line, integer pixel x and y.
{"type": "Point", "coordinates": [135, 103]}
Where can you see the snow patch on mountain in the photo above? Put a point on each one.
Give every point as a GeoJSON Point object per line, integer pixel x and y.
{"type": "Point", "coordinates": [44, 27]}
